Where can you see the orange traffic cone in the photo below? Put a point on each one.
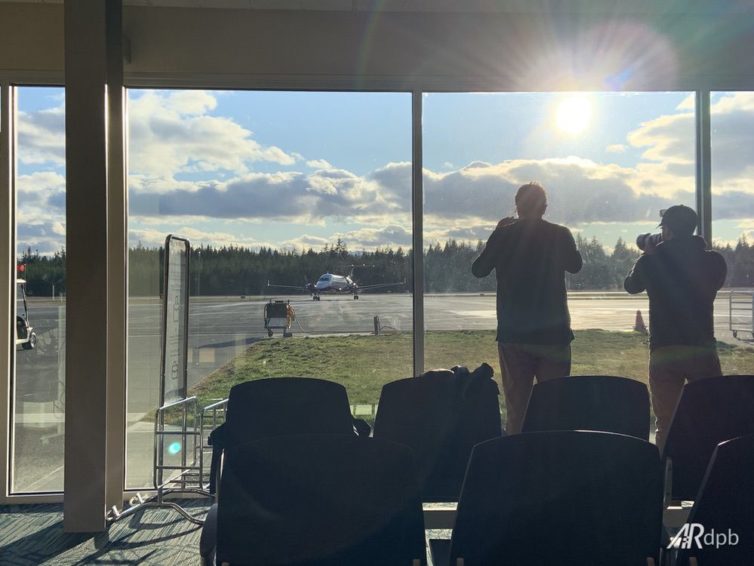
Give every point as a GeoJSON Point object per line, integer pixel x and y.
{"type": "Point", "coordinates": [639, 325]}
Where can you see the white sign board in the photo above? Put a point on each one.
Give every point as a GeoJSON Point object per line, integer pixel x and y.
{"type": "Point", "coordinates": [175, 307]}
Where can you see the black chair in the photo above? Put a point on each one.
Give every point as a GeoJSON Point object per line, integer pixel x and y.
{"type": "Point", "coordinates": [709, 412]}
{"type": "Point", "coordinates": [589, 402]}
{"type": "Point", "coordinates": [322, 500]}
{"type": "Point", "coordinates": [725, 504]}
{"type": "Point", "coordinates": [280, 406]}
{"type": "Point", "coordinates": [441, 415]}
{"type": "Point", "coordinates": [558, 498]}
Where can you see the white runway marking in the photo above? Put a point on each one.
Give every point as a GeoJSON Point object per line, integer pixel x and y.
{"type": "Point", "coordinates": [476, 314]}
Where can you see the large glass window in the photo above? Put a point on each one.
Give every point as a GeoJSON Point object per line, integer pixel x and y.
{"type": "Point", "coordinates": [731, 117]}
{"type": "Point", "coordinates": [39, 350]}
{"type": "Point", "coordinates": [302, 198]}
{"type": "Point", "coordinates": [609, 162]}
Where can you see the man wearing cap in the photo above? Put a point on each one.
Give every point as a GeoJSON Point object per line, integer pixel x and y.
{"type": "Point", "coordinates": [530, 257]}
{"type": "Point", "coordinates": [681, 278]}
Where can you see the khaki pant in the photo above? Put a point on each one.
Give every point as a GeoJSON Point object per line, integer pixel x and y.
{"type": "Point", "coordinates": [669, 368]}
{"type": "Point", "coordinates": [519, 365]}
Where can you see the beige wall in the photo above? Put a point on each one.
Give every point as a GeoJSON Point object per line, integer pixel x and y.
{"type": "Point", "coordinates": [31, 39]}
{"type": "Point", "coordinates": [444, 51]}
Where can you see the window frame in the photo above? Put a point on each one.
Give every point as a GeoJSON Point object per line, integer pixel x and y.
{"type": "Point", "coordinates": [8, 112]}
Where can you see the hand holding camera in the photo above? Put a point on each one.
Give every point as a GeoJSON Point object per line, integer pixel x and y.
{"type": "Point", "coordinates": [506, 221]}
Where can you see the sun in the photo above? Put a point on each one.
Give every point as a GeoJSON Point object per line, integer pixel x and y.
{"type": "Point", "coordinates": [574, 113]}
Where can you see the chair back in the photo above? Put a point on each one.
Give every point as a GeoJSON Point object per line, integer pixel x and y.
{"type": "Point", "coordinates": [279, 406]}
{"type": "Point", "coordinates": [286, 405]}
{"type": "Point", "coordinates": [709, 411]}
{"type": "Point", "coordinates": [441, 416]}
{"type": "Point", "coordinates": [563, 497]}
{"type": "Point", "coordinates": [725, 504]}
{"type": "Point", "coordinates": [319, 499]}
{"type": "Point", "coordinates": [589, 402]}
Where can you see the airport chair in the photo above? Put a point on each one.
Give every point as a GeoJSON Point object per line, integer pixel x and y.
{"type": "Point", "coordinates": [280, 406]}
{"type": "Point", "coordinates": [325, 500]}
{"type": "Point", "coordinates": [709, 411]}
{"type": "Point", "coordinates": [441, 415]}
{"type": "Point", "coordinates": [589, 402]}
{"type": "Point", "coordinates": [558, 498]}
{"type": "Point", "coordinates": [725, 506]}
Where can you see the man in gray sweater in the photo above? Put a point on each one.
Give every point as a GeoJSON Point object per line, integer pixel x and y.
{"type": "Point", "coordinates": [530, 257]}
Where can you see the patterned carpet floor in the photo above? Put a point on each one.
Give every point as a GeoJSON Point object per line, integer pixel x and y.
{"type": "Point", "coordinates": [32, 535]}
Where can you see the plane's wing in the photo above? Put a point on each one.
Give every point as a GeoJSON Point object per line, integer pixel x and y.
{"type": "Point", "coordinates": [379, 286]}
{"type": "Point", "coordinates": [297, 287]}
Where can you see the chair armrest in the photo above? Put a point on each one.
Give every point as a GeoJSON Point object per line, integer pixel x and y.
{"type": "Point", "coordinates": [361, 427]}
{"type": "Point", "coordinates": [439, 551]}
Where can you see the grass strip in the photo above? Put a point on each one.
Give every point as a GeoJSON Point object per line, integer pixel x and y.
{"type": "Point", "coordinates": [363, 363]}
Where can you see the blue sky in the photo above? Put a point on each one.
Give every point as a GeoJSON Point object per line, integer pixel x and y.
{"type": "Point", "coordinates": [301, 169]}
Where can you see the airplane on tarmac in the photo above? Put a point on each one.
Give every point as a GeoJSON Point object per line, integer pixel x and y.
{"type": "Point", "coordinates": [332, 283]}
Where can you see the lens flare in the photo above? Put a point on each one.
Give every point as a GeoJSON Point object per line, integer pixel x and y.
{"type": "Point", "coordinates": [174, 448]}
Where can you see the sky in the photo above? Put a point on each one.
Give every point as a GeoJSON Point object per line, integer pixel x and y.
{"type": "Point", "coordinates": [294, 170]}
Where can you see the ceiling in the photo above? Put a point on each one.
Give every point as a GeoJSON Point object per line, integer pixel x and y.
{"type": "Point", "coordinates": [594, 7]}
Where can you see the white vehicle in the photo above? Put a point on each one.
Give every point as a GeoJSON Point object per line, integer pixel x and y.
{"type": "Point", "coordinates": [25, 335]}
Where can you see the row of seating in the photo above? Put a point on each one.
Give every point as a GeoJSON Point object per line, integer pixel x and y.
{"type": "Point", "coordinates": [708, 412]}
{"type": "Point", "coordinates": [515, 487]}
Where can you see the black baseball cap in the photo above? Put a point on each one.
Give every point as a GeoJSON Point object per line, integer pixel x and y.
{"type": "Point", "coordinates": [680, 219]}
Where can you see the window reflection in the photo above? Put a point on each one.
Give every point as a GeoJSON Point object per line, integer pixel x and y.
{"type": "Point", "coordinates": [297, 206]}
{"type": "Point", "coordinates": [39, 382]}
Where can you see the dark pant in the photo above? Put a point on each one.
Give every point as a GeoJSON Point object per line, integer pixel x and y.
{"type": "Point", "coordinates": [669, 368]}
{"type": "Point", "coordinates": [519, 365]}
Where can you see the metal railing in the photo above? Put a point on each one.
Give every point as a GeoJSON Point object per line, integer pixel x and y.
{"type": "Point", "coordinates": [178, 430]}
{"type": "Point", "coordinates": [211, 416]}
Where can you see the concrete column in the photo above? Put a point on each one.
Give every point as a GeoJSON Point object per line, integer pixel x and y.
{"type": "Point", "coordinates": [417, 213]}
{"type": "Point", "coordinates": [704, 165]}
{"type": "Point", "coordinates": [93, 80]}
{"type": "Point", "coordinates": [117, 260]}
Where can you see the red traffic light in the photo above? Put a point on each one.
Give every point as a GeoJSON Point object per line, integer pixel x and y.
{"type": "Point", "coordinates": [21, 268]}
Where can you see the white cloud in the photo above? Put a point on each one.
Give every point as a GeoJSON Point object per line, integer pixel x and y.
{"type": "Point", "coordinates": [319, 164]}
{"type": "Point", "coordinates": [154, 238]}
{"type": "Point", "coordinates": [173, 133]}
{"type": "Point", "coordinates": [687, 104]}
{"type": "Point", "coordinates": [616, 148]}
{"type": "Point", "coordinates": [41, 136]}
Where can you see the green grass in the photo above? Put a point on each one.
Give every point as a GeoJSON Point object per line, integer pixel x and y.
{"type": "Point", "coordinates": [364, 363]}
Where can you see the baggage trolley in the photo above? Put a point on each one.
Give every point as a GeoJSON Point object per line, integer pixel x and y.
{"type": "Point", "coordinates": [279, 315]}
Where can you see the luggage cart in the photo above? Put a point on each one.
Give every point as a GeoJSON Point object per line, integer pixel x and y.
{"type": "Point", "coordinates": [279, 315]}
{"type": "Point", "coordinates": [741, 308]}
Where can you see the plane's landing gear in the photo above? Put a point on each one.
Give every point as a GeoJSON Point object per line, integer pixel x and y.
{"type": "Point", "coordinates": [355, 297]}
{"type": "Point", "coordinates": [315, 297]}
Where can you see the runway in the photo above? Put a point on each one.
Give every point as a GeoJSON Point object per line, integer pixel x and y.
{"type": "Point", "coordinates": [222, 327]}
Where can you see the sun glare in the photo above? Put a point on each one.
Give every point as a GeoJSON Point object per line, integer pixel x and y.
{"type": "Point", "coordinates": [574, 114]}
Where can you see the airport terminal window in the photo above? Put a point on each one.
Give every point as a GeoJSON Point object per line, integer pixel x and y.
{"type": "Point", "coordinates": [609, 161]}
{"type": "Point", "coordinates": [731, 117]}
{"type": "Point", "coordinates": [39, 382]}
{"type": "Point", "coordinates": [285, 196]}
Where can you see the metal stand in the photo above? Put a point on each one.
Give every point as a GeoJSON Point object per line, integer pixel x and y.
{"type": "Point", "coordinates": [741, 308]}
{"type": "Point", "coordinates": [178, 429]}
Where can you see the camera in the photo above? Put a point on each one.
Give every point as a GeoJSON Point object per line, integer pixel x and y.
{"type": "Point", "coordinates": [644, 240]}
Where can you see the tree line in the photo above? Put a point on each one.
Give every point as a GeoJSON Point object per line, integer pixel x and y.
{"type": "Point", "coordinates": [233, 270]}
